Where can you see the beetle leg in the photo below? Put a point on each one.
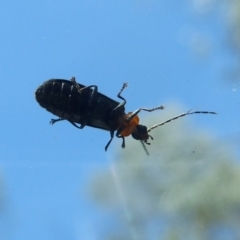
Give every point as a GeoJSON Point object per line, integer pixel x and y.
{"type": "Point", "coordinates": [75, 125]}
{"type": "Point", "coordinates": [95, 88]}
{"type": "Point", "coordinates": [119, 96]}
{"type": "Point", "coordinates": [112, 135]}
{"type": "Point", "coordinates": [61, 119]}
{"type": "Point", "coordinates": [123, 139]}
{"type": "Point", "coordinates": [56, 120]}
{"type": "Point", "coordinates": [144, 109]}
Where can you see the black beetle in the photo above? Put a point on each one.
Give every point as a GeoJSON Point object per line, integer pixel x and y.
{"type": "Point", "coordinates": [86, 106]}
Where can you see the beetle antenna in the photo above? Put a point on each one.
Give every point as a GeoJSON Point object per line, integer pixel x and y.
{"type": "Point", "coordinates": [176, 117]}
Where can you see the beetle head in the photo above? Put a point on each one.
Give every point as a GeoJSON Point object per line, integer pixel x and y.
{"type": "Point", "coordinates": [141, 133]}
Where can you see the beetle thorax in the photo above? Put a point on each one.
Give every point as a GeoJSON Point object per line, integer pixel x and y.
{"type": "Point", "coordinates": [127, 127]}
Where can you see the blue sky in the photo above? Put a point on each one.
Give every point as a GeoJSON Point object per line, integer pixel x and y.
{"type": "Point", "coordinates": [165, 50]}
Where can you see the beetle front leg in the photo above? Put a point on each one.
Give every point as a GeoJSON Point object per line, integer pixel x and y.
{"type": "Point", "coordinates": [123, 141]}
{"type": "Point", "coordinates": [123, 138]}
{"type": "Point", "coordinates": [143, 109]}
{"type": "Point", "coordinates": [117, 135]}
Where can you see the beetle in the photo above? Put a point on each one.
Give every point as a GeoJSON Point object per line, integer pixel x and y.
{"type": "Point", "coordinates": [85, 106]}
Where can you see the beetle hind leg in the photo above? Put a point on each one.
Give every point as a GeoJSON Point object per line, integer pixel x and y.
{"type": "Point", "coordinates": [62, 119]}
{"type": "Point", "coordinates": [56, 120]}
{"type": "Point", "coordinates": [95, 89]}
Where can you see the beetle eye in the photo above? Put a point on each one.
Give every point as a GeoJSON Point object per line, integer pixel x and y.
{"type": "Point", "coordinates": [140, 133]}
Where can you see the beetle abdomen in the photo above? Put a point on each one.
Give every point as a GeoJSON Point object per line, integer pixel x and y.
{"type": "Point", "coordinates": [62, 98]}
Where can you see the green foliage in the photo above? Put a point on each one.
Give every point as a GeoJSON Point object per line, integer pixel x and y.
{"type": "Point", "coordinates": [186, 189]}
